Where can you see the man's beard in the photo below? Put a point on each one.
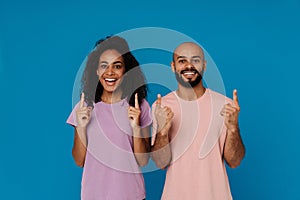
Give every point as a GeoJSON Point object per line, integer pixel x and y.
{"type": "Point", "coordinates": [188, 84]}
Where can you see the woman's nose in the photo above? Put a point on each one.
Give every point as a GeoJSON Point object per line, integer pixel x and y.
{"type": "Point", "coordinates": [109, 70]}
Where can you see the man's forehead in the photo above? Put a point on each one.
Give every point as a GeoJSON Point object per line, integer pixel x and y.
{"type": "Point", "coordinates": [189, 49]}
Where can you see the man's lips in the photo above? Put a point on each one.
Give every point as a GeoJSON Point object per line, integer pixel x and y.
{"type": "Point", "coordinates": [189, 73]}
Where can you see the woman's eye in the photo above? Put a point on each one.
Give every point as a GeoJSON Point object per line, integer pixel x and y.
{"type": "Point", "coordinates": [103, 66]}
{"type": "Point", "coordinates": [118, 66]}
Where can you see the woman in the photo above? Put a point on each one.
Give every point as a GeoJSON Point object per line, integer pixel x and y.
{"type": "Point", "coordinates": [111, 124]}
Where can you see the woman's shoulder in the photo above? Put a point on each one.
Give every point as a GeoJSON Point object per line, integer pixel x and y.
{"type": "Point", "coordinates": [145, 104]}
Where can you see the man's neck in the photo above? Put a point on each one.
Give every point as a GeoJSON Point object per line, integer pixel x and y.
{"type": "Point", "coordinates": [191, 93]}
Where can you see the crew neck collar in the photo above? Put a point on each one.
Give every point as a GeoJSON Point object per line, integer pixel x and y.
{"type": "Point", "coordinates": [120, 102]}
{"type": "Point", "coordinates": [198, 99]}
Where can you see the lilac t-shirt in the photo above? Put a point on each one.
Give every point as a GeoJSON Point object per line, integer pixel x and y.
{"type": "Point", "coordinates": [110, 170]}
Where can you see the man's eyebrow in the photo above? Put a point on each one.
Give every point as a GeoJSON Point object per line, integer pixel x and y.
{"type": "Point", "coordinates": [180, 57]}
{"type": "Point", "coordinates": [186, 57]}
{"type": "Point", "coordinates": [197, 57]}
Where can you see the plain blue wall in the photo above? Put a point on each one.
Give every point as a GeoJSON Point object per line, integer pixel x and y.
{"type": "Point", "coordinates": [255, 45]}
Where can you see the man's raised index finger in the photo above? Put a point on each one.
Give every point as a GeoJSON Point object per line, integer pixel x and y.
{"type": "Point", "coordinates": [235, 98]}
{"type": "Point", "coordinates": [158, 100]}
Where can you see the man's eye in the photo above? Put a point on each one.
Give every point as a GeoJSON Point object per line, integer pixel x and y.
{"type": "Point", "coordinates": [196, 61]}
{"type": "Point", "coordinates": [181, 61]}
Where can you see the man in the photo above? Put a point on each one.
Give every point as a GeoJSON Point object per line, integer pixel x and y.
{"type": "Point", "coordinates": [195, 137]}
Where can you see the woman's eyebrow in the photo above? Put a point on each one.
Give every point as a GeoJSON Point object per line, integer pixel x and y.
{"type": "Point", "coordinates": [116, 62]}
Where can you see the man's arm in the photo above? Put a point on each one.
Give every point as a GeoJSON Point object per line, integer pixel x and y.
{"type": "Point", "coordinates": [234, 150]}
{"type": "Point", "coordinates": [161, 150]}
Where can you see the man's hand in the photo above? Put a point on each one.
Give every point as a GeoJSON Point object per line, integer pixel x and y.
{"type": "Point", "coordinates": [231, 113]}
{"type": "Point", "coordinates": [161, 150]}
{"type": "Point", "coordinates": [234, 150]}
{"type": "Point", "coordinates": [163, 116]}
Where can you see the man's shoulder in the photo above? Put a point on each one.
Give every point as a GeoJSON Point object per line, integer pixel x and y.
{"type": "Point", "coordinates": [218, 96]}
{"type": "Point", "coordinates": [169, 96]}
{"type": "Point", "coordinates": [167, 99]}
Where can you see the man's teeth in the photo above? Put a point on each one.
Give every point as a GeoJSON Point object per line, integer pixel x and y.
{"type": "Point", "coordinates": [189, 73]}
{"type": "Point", "coordinates": [110, 79]}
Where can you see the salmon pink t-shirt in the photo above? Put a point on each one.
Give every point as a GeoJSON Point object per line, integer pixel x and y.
{"type": "Point", "coordinates": [110, 170]}
{"type": "Point", "coordinates": [197, 137]}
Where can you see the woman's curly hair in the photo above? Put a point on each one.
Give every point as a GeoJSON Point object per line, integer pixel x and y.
{"type": "Point", "coordinates": [133, 78]}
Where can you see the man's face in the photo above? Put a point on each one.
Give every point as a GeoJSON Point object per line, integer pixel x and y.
{"type": "Point", "coordinates": [188, 64]}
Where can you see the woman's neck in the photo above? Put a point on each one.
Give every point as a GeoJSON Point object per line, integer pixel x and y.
{"type": "Point", "coordinates": [111, 97]}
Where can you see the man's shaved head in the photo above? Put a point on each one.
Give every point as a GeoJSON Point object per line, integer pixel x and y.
{"type": "Point", "coordinates": [190, 46]}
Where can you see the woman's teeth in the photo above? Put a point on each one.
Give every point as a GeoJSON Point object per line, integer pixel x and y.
{"type": "Point", "coordinates": [110, 79]}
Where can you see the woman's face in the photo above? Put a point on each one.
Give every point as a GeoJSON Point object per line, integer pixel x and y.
{"type": "Point", "coordinates": [110, 70]}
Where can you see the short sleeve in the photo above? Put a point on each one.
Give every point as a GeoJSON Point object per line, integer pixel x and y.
{"type": "Point", "coordinates": [223, 134]}
{"type": "Point", "coordinates": [154, 126]}
{"type": "Point", "coordinates": [145, 119]}
{"type": "Point", "coordinates": [217, 131]}
{"type": "Point", "coordinates": [72, 117]}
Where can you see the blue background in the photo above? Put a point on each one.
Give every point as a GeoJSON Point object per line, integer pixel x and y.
{"type": "Point", "coordinates": [255, 45]}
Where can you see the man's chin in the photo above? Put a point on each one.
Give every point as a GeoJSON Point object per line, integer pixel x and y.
{"type": "Point", "coordinates": [188, 83]}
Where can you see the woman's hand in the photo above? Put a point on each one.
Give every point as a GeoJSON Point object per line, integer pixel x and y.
{"type": "Point", "coordinates": [83, 114]}
{"type": "Point", "coordinates": [134, 113]}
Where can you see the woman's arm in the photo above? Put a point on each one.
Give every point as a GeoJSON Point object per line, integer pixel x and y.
{"type": "Point", "coordinates": [79, 146]}
{"type": "Point", "coordinates": [141, 141]}
{"type": "Point", "coordinates": [141, 145]}
{"type": "Point", "coordinates": [83, 116]}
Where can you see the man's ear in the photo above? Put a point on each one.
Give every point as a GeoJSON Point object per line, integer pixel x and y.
{"type": "Point", "coordinates": [204, 65]}
{"type": "Point", "coordinates": [173, 66]}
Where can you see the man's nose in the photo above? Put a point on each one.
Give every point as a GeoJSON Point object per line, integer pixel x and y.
{"type": "Point", "coordinates": [189, 65]}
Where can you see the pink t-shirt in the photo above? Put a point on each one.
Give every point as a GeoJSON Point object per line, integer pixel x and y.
{"type": "Point", "coordinates": [110, 170]}
{"type": "Point", "coordinates": [197, 170]}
